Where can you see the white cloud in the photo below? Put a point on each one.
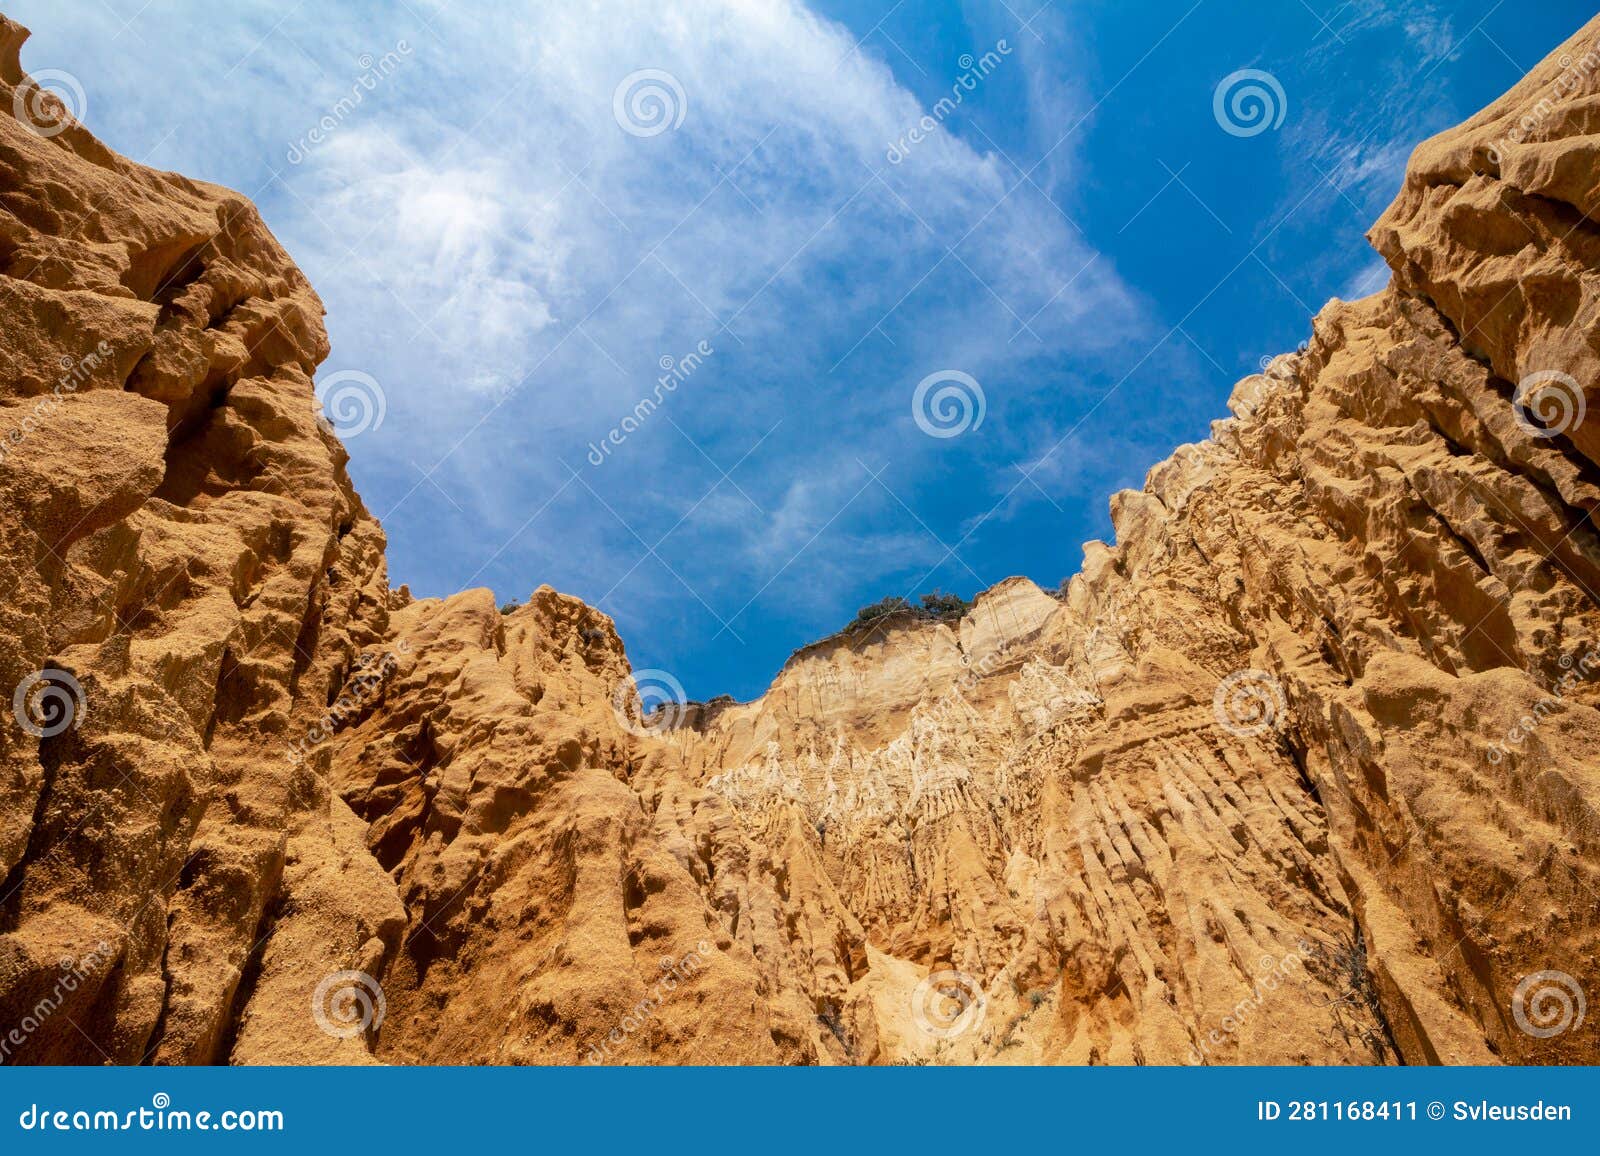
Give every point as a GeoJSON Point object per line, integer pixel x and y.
{"type": "Point", "coordinates": [511, 265]}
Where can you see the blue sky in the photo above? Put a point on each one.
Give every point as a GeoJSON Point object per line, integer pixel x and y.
{"type": "Point", "coordinates": [513, 266]}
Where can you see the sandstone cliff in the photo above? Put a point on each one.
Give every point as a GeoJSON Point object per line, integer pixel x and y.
{"type": "Point", "coordinates": [1301, 769]}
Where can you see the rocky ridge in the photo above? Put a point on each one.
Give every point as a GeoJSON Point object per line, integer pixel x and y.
{"type": "Point", "coordinates": [1299, 770]}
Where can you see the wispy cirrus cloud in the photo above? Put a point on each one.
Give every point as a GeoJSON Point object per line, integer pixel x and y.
{"type": "Point", "coordinates": [521, 272]}
{"type": "Point", "coordinates": [513, 265]}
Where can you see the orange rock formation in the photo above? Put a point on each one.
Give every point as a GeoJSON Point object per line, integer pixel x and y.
{"type": "Point", "coordinates": [1302, 769]}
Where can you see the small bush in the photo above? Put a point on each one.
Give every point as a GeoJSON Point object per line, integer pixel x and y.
{"type": "Point", "coordinates": [511, 606]}
{"type": "Point", "coordinates": [1357, 1011]}
{"type": "Point", "coordinates": [944, 606]}
{"type": "Point", "coordinates": [938, 607]}
{"type": "Point", "coordinates": [882, 608]}
{"type": "Point", "coordinates": [832, 1018]}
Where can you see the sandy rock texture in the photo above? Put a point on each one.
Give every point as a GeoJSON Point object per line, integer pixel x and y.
{"type": "Point", "coordinates": [181, 542]}
{"type": "Point", "coordinates": [1301, 769]}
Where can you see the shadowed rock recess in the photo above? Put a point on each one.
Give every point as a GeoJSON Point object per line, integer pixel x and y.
{"type": "Point", "coordinates": [1304, 769]}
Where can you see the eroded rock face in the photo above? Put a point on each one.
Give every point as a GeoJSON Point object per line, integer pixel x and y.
{"type": "Point", "coordinates": [1301, 769]}
{"type": "Point", "coordinates": [181, 540]}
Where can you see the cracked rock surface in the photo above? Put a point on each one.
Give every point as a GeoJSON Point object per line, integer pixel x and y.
{"type": "Point", "coordinates": [1303, 768]}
